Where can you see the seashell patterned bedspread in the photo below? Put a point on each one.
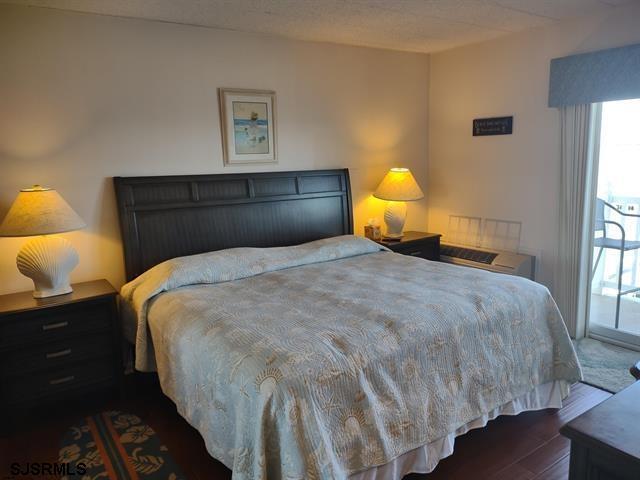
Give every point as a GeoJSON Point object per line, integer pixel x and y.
{"type": "Point", "coordinates": [332, 357]}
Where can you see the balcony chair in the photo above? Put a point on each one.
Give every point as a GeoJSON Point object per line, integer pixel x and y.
{"type": "Point", "coordinates": [621, 244]}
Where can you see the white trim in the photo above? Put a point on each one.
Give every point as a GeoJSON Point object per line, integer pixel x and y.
{"type": "Point", "coordinates": [614, 336]}
{"type": "Point", "coordinates": [586, 257]}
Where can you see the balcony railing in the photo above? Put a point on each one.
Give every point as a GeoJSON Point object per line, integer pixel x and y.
{"type": "Point", "coordinates": [604, 287]}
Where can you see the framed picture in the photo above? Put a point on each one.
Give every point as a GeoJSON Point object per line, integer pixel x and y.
{"type": "Point", "coordinates": [247, 121]}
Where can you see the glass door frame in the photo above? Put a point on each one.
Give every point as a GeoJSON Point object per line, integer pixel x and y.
{"type": "Point", "coordinates": [586, 327]}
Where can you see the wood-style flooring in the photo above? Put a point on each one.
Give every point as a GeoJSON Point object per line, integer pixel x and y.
{"type": "Point", "coordinates": [523, 447]}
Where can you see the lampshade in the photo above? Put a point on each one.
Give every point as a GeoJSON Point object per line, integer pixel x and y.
{"type": "Point", "coordinates": [399, 185]}
{"type": "Point", "coordinates": [39, 211]}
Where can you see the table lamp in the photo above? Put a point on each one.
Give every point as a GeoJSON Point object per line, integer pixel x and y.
{"type": "Point", "coordinates": [46, 259]}
{"type": "Point", "coordinates": [397, 187]}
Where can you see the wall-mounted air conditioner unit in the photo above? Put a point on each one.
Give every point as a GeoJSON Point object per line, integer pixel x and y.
{"type": "Point", "coordinates": [501, 262]}
{"type": "Point", "coordinates": [493, 248]}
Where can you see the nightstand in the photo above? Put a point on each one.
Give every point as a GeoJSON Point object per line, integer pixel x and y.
{"type": "Point", "coordinates": [416, 244]}
{"type": "Point", "coordinates": [58, 348]}
{"type": "Point", "coordinates": [604, 440]}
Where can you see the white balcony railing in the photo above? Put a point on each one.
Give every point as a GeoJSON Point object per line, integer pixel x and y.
{"type": "Point", "coordinates": [604, 287]}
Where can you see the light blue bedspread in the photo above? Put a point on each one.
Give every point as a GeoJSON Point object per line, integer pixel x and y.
{"type": "Point", "coordinates": [328, 358]}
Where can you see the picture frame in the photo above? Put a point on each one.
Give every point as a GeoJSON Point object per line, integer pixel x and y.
{"type": "Point", "coordinates": [248, 126]}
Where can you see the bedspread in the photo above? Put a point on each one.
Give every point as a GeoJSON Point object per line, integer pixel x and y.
{"type": "Point", "coordinates": [326, 359]}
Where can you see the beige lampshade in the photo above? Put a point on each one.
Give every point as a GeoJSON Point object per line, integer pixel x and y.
{"type": "Point", "coordinates": [39, 211]}
{"type": "Point", "coordinates": [399, 185]}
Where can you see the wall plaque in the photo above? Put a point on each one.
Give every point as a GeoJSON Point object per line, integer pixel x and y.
{"type": "Point", "coordinates": [492, 126]}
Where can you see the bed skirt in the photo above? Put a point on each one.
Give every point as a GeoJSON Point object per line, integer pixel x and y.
{"type": "Point", "coordinates": [425, 459]}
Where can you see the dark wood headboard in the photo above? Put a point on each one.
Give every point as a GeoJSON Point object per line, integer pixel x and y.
{"type": "Point", "coordinates": [171, 216]}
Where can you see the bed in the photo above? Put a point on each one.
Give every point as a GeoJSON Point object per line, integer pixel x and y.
{"type": "Point", "coordinates": [301, 351]}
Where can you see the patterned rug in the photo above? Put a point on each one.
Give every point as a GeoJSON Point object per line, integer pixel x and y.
{"type": "Point", "coordinates": [605, 365]}
{"type": "Point", "coordinates": [116, 446]}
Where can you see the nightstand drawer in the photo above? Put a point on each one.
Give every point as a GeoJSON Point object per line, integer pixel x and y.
{"type": "Point", "coordinates": [416, 244]}
{"type": "Point", "coordinates": [425, 249]}
{"type": "Point", "coordinates": [52, 355]}
{"type": "Point", "coordinates": [414, 251]}
{"type": "Point", "coordinates": [54, 324]}
{"type": "Point", "coordinates": [50, 384]}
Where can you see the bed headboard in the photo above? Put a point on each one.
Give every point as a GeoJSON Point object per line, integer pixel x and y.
{"type": "Point", "coordinates": [170, 216]}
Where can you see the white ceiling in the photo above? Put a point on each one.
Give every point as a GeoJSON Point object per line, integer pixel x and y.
{"type": "Point", "coordinates": [411, 25]}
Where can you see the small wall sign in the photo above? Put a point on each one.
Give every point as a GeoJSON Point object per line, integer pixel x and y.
{"type": "Point", "coordinates": [492, 126]}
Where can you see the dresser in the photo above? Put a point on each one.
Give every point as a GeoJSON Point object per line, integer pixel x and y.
{"type": "Point", "coordinates": [605, 441]}
{"type": "Point", "coordinates": [58, 348]}
{"type": "Point", "coordinates": [417, 244]}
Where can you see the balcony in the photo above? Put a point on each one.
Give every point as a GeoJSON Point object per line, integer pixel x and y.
{"type": "Point", "coordinates": [604, 286]}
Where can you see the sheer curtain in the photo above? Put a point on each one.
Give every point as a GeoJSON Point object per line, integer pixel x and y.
{"type": "Point", "coordinates": [580, 133]}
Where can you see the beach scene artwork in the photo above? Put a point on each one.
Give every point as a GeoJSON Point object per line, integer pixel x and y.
{"type": "Point", "coordinates": [250, 128]}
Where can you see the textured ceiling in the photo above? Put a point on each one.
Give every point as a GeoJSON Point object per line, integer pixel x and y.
{"type": "Point", "coordinates": [411, 25]}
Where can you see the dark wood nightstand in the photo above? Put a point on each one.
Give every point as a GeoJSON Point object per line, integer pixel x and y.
{"type": "Point", "coordinates": [416, 244]}
{"type": "Point", "coordinates": [58, 348]}
{"type": "Point", "coordinates": [604, 440]}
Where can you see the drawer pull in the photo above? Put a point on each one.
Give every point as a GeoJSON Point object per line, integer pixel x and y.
{"type": "Point", "coordinates": [416, 253]}
{"type": "Point", "coordinates": [61, 353]}
{"type": "Point", "coordinates": [53, 326]}
{"type": "Point", "coordinates": [58, 381]}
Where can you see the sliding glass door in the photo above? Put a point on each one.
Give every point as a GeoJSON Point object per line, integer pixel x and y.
{"type": "Point", "coordinates": [614, 310]}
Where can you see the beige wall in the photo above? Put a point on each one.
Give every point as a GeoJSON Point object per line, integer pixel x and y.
{"type": "Point", "coordinates": [512, 177]}
{"type": "Point", "coordinates": [86, 97]}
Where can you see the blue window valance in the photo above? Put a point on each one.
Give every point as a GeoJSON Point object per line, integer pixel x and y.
{"type": "Point", "coordinates": [605, 75]}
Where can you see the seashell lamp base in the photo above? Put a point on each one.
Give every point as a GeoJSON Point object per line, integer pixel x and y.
{"type": "Point", "coordinates": [395, 214]}
{"type": "Point", "coordinates": [48, 261]}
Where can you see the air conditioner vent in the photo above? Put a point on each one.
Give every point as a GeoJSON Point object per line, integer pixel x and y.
{"type": "Point", "coordinates": [468, 254]}
{"type": "Point", "coordinates": [493, 260]}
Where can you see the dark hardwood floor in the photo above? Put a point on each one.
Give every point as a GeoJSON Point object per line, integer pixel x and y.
{"type": "Point", "coordinates": [523, 447]}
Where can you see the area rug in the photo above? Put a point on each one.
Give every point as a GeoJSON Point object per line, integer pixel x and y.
{"type": "Point", "coordinates": [604, 365]}
{"type": "Point", "coordinates": [115, 446]}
